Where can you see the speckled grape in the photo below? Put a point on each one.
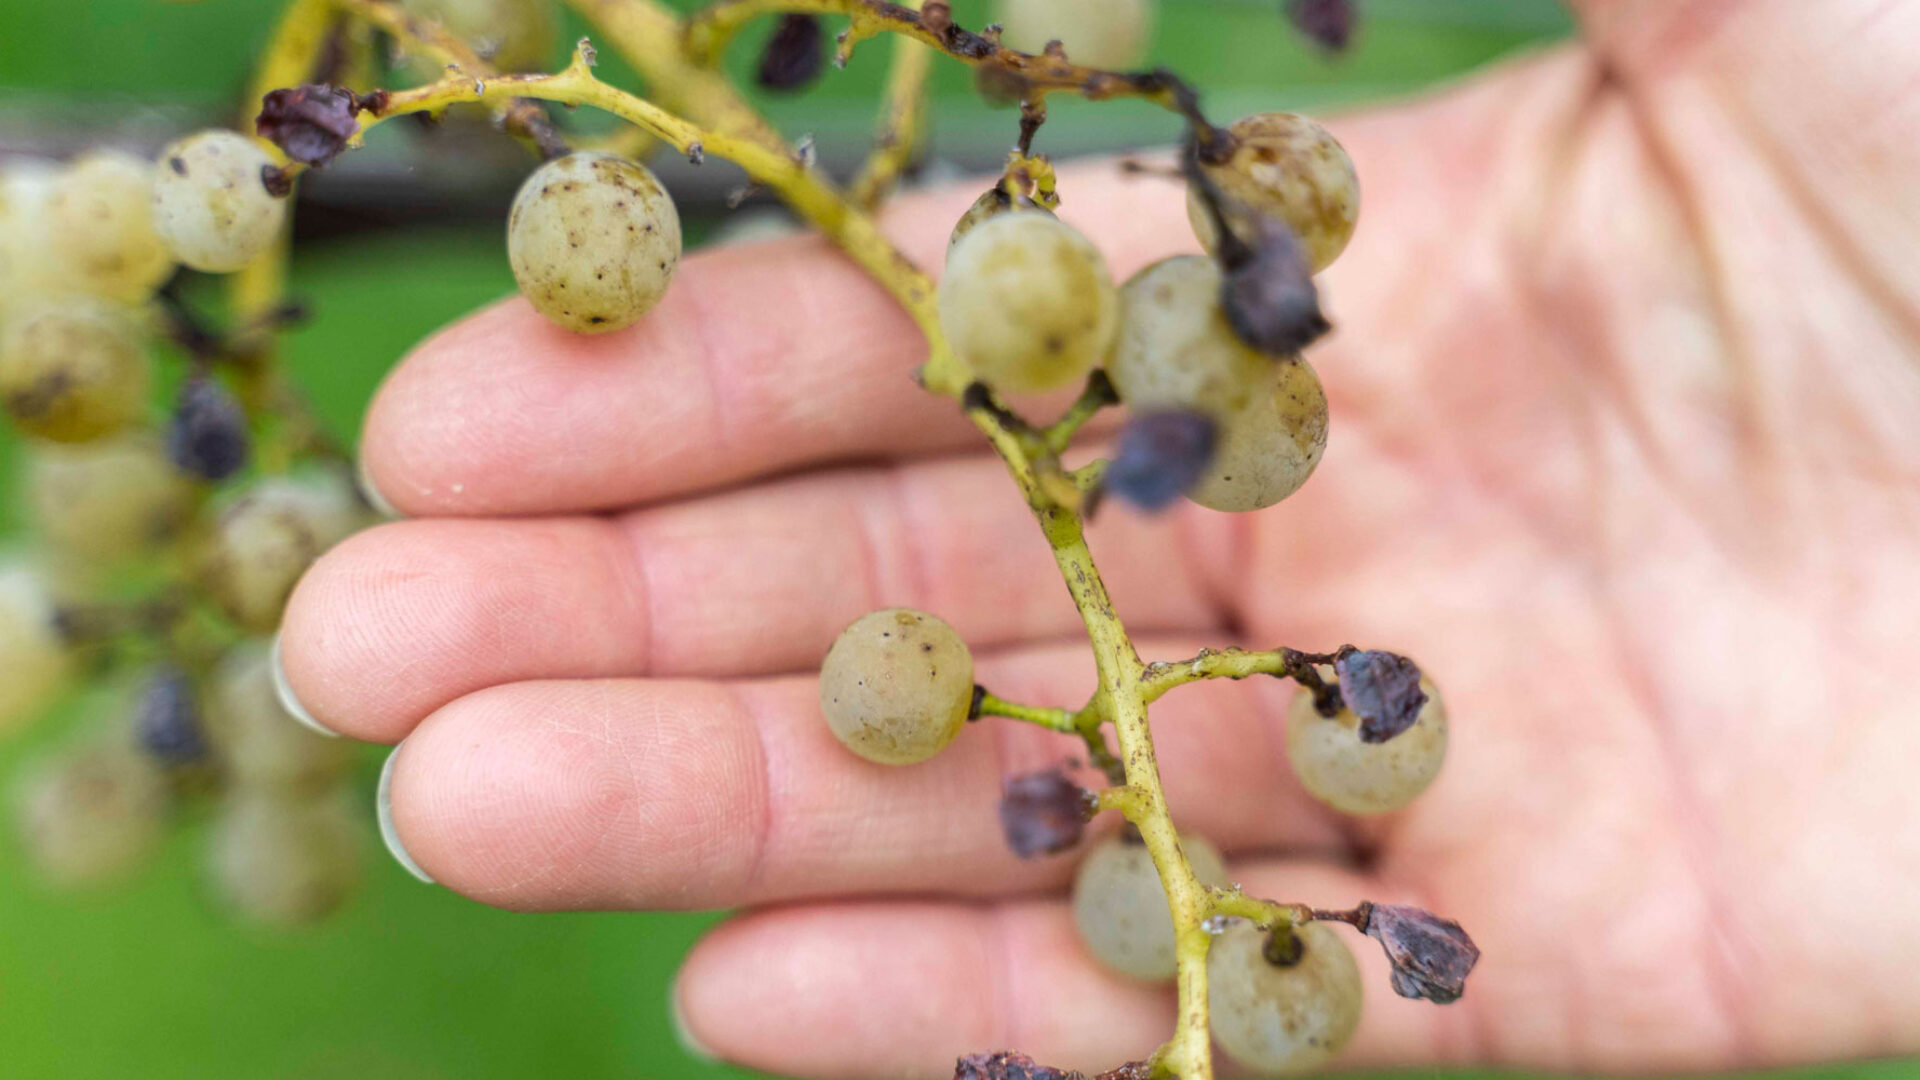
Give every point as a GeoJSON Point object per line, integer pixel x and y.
{"type": "Point", "coordinates": [594, 240]}
{"type": "Point", "coordinates": [1282, 1019]}
{"type": "Point", "coordinates": [210, 204]}
{"type": "Point", "coordinates": [73, 370]}
{"type": "Point", "coordinates": [897, 686]}
{"type": "Point", "coordinates": [1288, 167]}
{"type": "Point", "coordinates": [1026, 300]}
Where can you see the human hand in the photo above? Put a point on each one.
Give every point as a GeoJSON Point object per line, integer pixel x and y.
{"type": "Point", "coordinates": [1622, 453]}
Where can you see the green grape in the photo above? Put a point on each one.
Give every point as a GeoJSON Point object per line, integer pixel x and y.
{"type": "Point", "coordinates": [1177, 351]}
{"type": "Point", "coordinates": [1120, 907]}
{"type": "Point", "coordinates": [1269, 448]}
{"type": "Point", "coordinates": [268, 537]}
{"type": "Point", "coordinates": [1356, 777]}
{"type": "Point", "coordinates": [99, 219]}
{"type": "Point", "coordinates": [211, 205]}
{"type": "Point", "coordinates": [1282, 1018]}
{"type": "Point", "coordinates": [594, 240]}
{"type": "Point", "coordinates": [108, 500]}
{"type": "Point", "coordinates": [897, 686]}
{"type": "Point", "coordinates": [1096, 33]}
{"type": "Point", "coordinates": [1027, 302]}
{"type": "Point", "coordinates": [258, 744]}
{"type": "Point", "coordinates": [34, 655]}
{"type": "Point", "coordinates": [1288, 167]}
{"type": "Point", "coordinates": [73, 370]}
{"type": "Point", "coordinates": [991, 204]}
{"type": "Point", "coordinates": [90, 814]}
{"type": "Point", "coordinates": [512, 35]}
{"type": "Point", "coordinates": [285, 859]}
{"type": "Point", "coordinates": [26, 255]}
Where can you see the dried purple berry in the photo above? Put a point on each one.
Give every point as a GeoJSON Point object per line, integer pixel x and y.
{"type": "Point", "coordinates": [1383, 690]}
{"type": "Point", "coordinates": [1327, 23]}
{"type": "Point", "coordinates": [1268, 292]}
{"type": "Point", "coordinates": [795, 53]}
{"type": "Point", "coordinates": [1044, 813]}
{"type": "Point", "coordinates": [311, 123]}
{"type": "Point", "coordinates": [1431, 956]}
{"type": "Point", "coordinates": [1161, 455]}
{"type": "Point", "coordinates": [167, 719]}
{"type": "Point", "coordinates": [1007, 1065]}
{"type": "Point", "coordinates": [207, 436]}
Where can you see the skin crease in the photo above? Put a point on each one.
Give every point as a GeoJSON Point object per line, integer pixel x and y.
{"type": "Point", "coordinates": [1623, 453]}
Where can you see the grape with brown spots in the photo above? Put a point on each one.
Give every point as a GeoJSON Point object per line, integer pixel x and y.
{"type": "Point", "coordinates": [73, 370]}
{"type": "Point", "coordinates": [897, 686]}
{"type": "Point", "coordinates": [594, 241]}
{"type": "Point", "coordinates": [1288, 167]}
{"type": "Point", "coordinates": [211, 205]}
{"type": "Point", "coordinates": [1027, 302]}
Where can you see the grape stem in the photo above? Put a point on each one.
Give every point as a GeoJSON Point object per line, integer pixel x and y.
{"type": "Point", "coordinates": [902, 127]}
{"type": "Point", "coordinates": [699, 114]}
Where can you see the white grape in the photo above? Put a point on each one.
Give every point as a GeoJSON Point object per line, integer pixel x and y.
{"type": "Point", "coordinates": [1120, 906]}
{"type": "Point", "coordinates": [1178, 351]}
{"type": "Point", "coordinates": [72, 370]}
{"type": "Point", "coordinates": [511, 35]}
{"type": "Point", "coordinates": [1282, 1018]}
{"type": "Point", "coordinates": [284, 859]}
{"type": "Point", "coordinates": [211, 205]}
{"type": "Point", "coordinates": [1027, 302]}
{"type": "Point", "coordinates": [1356, 777]}
{"type": "Point", "coordinates": [897, 686]}
{"type": "Point", "coordinates": [1096, 33]}
{"type": "Point", "coordinates": [268, 537]}
{"type": "Point", "coordinates": [594, 240]}
{"type": "Point", "coordinates": [258, 744]}
{"type": "Point", "coordinates": [34, 655]}
{"type": "Point", "coordinates": [1288, 167]}
{"type": "Point", "coordinates": [90, 814]}
{"type": "Point", "coordinates": [27, 257]}
{"type": "Point", "coordinates": [100, 223]}
{"type": "Point", "coordinates": [108, 500]}
{"type": "Point", "coordinates": [991, 204]}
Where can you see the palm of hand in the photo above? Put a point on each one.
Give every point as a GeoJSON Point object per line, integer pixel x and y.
{"type": "Point", "coordinates": [1617, 456]}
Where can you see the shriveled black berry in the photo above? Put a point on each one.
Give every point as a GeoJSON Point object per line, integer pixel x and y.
{"type": "Point", "coordinates": [1268, 292]}
{"type": "Point", "coordinates": [207, 436]}
{"type": "Point", "coordinates": [167, 719]}
{"type": "Point", "coordinates": [1043, 813]}
{"type": "Point", "coordinates": [310, 123]}
{"type": "Point", "coordinates": [1327, 23]}
{"type": "Point", "coordinates": [795, 53]}
{"type": "Point", "coordinates": [1007, 1065]}
{"type": "Point", "coordinates": [1383, 690]}
{"type": "Point", "coordinates": [1431, 956]}
{"type": "Point", "coordinates": [1161, 455]}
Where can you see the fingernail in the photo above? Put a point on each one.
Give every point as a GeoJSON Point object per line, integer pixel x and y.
{"type": "Point", "coordinates": [677, 1013]}
{"type": "Point", "coordinates": [383, 809]}
{"type": "Point", "coordinates": [371, 495]}
{"type": "Point", "coordinates": [289, 702]}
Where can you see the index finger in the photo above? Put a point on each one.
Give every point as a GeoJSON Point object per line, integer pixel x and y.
{"type": "Point", "coordinates": [760, 360]}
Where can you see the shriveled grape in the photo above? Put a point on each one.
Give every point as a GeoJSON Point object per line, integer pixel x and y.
{"type": "Point", "coordinates": [268, 537]}
{"type": "Point", "coordinates": [1095, 33]}
{"type": "Point", "coordinates": [258, 744]}
{"type": "Point", "coordinates": [1027, 302]}
{"type": "Point", "coordinates": [33, 653]}
{"type": "Point", "coordinates": [1177, 351]}
{"type": "Point", "coordinates": [1283, 1018]}
{"type": "Point", "coordinates": [284, 859]}
{"type": "Point", "coordinates": [1357, 777]}
{"type": "Point", "coordinates": [108, 500]}
{"type": "Point", "coordinates": [100, 224]}
{"type": "Point", "coordinates": [1120, 907]}
{"type": "Point", "coordinates": [897, 686]}
{"type": "Point", "coordinates": [73, 370]}
{"type": "Point", "coordinates": [90, 813]}
{"type": "Point", "coordinates": [211, 205]}
{"type": "Point", "coordinates": [594, 240]}
{"type": "Point", "coordinates": [1288, 167]}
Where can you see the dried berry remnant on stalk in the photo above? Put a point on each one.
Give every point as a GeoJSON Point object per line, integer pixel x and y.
{"type": "Point", "coordinates": [1044, 813]}
{"type": "Point", "coordinates": [897, 686]}
{"type": "Point", "coordinates": [207, 437]}
{"type": "Point", "coordinates": [1383, 689]}
{"type": "Point", "coordinates": [167, 718]}
{"type": "Point", "coordinates": [1327, 23]}
{"type": "Point", "coordinates": [1161, 456]}
{"type": "Point", "coordinates": [311, 123]}
{"type": "Point", "coordinates": [1268, 292]}
{"type": "Point", "coordinates": [1431, 956]}
{"type": "Point", "coordinates": [794, 55]}
{"type": "Point", "coordinates": [594, 240]}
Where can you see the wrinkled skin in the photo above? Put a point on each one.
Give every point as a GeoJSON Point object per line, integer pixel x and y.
{"type": "Point", "coordinates": [1624, 453]}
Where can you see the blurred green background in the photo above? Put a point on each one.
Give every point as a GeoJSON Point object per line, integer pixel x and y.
{"type": "Point", "coordinates": [412, 981]}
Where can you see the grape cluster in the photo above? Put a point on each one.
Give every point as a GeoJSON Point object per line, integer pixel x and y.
{"type": "Point", "coordinates": [156, 530]}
